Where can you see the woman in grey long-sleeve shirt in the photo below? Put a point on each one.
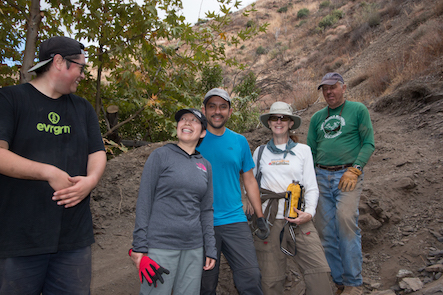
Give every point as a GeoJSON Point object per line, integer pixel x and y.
{"type": "Point", "coordinates": [174, 215]}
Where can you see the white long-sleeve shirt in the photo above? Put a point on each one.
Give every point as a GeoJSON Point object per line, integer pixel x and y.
{"type": "Point", "coordinates": [279, 172]}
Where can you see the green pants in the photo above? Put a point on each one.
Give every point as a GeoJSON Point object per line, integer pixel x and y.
{"type": "Point", "coordinates": [310, 258]}
{"type": "Point", "coordinates": [185, 268]}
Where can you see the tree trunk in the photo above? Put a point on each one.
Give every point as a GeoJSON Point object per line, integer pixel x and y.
{"type": "Point", "coordinates": [98, 101]}
{"type": "Point", "coordinates": [33, 23]}
{"type": "Point", "coordinates": [112, 116]}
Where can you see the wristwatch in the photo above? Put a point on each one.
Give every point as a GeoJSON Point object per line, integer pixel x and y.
{"type": "Point", "coordinates": [358, 167]}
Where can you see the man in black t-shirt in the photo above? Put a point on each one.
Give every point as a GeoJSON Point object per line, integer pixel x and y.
{"type": "Point", "coordinates": [51, 157]}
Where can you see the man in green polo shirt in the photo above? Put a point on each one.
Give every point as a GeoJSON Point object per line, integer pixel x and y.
{"type": "Point", "coordinates": [342, 140]}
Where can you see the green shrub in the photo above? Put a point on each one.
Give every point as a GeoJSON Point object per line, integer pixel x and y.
{"type": "Point", "coordinates": [211, 77]}
{"type": "Point", "coordinates": [201, 21]}
{"type": "Point", "coordinates": [374, 19]}
{"type": "Point", "coordinates": [242, 47]}
{"type": "Point", "coordinates": [330, 19]}
{"type": "Point", "coordinates": [245, 112]}
{"type": "Point", "coordinates": [302, 22]}
{"type": "Point", "coordinates": [283, 9]}
{"type": "Point", "coordinates": [260, 50]}
{"type": "Point", "coordinates": [273, 53]}
{"type": "Point", "coordinates": [250, 23]}
{"type": "Point", "coordinates": [324, 4]}
{"type": "Point", "coordinates": [337, 13]}
{"type": "Point", "coordinates": [304, 12]}
{"type": "Point", "coordinates": [371, 15]}
{"type": "Point", "coordinates": [327, 21]}
{"type": "Point", "coordinates": [318, 30]}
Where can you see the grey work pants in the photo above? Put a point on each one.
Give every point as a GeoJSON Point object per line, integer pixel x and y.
{"type": "Point", "coordinates": [236, 243]}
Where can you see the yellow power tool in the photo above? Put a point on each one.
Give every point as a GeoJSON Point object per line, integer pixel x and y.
{"type": "Point", "coordinates": [293, 198]}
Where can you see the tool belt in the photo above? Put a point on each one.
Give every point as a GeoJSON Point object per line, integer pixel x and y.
{"type": "Point", "coordinates": [294, 196]}
{"type": "Point", "coordinates": [271, 208]}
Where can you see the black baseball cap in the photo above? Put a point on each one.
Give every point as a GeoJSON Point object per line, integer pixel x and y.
{"type": "Point", "coordinates": [62, 45]}
{"type": "Point", "coordinates": [199, 115]}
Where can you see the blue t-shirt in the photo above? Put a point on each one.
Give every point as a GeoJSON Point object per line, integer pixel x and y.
{"type": "Point", "coordinates": [229, 155]}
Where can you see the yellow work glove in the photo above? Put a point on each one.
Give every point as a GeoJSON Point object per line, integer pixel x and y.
{"type": "Point", "coordinates": [348, 181]}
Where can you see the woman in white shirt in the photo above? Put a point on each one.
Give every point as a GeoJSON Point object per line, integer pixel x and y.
{"type": "Point", "coordinates": [283, 160]}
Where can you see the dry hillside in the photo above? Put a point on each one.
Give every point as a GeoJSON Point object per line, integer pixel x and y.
{"type": "Point", "coordinates": [390, 54]}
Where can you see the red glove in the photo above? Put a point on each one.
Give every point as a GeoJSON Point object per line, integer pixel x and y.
{"type": "Point", "coordinates": [150, 270]}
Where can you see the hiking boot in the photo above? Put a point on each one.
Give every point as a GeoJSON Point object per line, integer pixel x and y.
{"type": "Point", "coordinates": [340, 289]}
{"type": "Point", "coordinates": [351, 290]}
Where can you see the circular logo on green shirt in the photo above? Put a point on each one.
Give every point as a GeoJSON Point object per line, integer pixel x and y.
{"type": "Point", "coordinates": [332, 126]}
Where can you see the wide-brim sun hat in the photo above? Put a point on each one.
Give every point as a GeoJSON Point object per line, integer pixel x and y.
{"type": "Point", "coordinates": [281, 108]}
{"type": "Point", "coordinates": [199, 115]}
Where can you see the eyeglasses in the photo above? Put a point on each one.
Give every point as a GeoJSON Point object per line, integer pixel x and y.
{"type": "Point", "coordinates": [82, 69]}
{"type": "Point", "coordinates": [282, 118]}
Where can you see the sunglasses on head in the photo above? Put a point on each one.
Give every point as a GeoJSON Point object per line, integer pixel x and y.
{"type": "Point", "coordinates": [275, 118]}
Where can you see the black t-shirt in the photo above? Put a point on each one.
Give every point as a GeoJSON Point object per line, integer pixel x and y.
{"type": "Point", "coordinates": [61, 132]}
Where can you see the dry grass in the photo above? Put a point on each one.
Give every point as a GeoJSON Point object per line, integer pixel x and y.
{"type": "Point", "coordinates": [412, 62]}
{"type": "Point", "coordinates": [304, 90]}
{"type": "Point", "coordinates": [358, 80]}
{"type": "Point", "coordinates": [391, 8]}
{"type": "Point", "coordinates": [295, 50]}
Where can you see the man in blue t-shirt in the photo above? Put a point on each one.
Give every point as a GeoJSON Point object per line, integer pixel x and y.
{"type": "Point", "coordinates": [230, 158]}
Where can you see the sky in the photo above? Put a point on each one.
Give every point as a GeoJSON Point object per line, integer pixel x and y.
{"type": "Point", "coordinates": [195, 9]}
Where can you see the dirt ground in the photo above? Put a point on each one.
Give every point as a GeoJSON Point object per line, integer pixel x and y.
{"type": "Point", "coordinates": [400, 208]}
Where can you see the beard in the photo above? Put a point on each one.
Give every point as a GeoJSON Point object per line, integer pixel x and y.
{"type": "Point", "coordinates": [218, 124]}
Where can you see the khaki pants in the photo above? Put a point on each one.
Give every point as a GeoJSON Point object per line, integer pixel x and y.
{"type": "Point", "coordinates": [310, 258]}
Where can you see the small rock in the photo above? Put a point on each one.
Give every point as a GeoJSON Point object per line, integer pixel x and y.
{"type": "Point", "coordinates": [384, 292]}
{"type": "Point", "coordinates": [406, 183]}
{"type": "Point", "coordinates": [437, 235]}
{"type": "Point", "coordinates": [340, 30]}
{"type": "Point", "coordinates": [408, 228]}
{"type": "Point", "coordinates": [436, 253]}
{"type": "Point", "coordinates": [367, 222]}
{"type": "Point", "coordinates": [403, 273]}
{"type": "Point", "coordinates": [413, 284]}
{"type": "Point", "coordinates": [395, 218]}
{"type": "Point", "coordinates": [375, 286]}
{"type": "Point", "coordinates": [438, 289]}
{"type": "Point", "coordinates": [434, 268]}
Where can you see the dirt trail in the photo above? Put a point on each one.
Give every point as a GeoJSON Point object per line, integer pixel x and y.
{"type": "Point", "coordinates": [400, 209]}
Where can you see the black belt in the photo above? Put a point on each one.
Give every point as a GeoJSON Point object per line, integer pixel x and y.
{"type": "Point", "coordinates": [333, 168]}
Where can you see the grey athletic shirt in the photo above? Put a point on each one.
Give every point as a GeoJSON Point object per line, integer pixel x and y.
{"type": "Point", "coordinates": [174, 206]}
